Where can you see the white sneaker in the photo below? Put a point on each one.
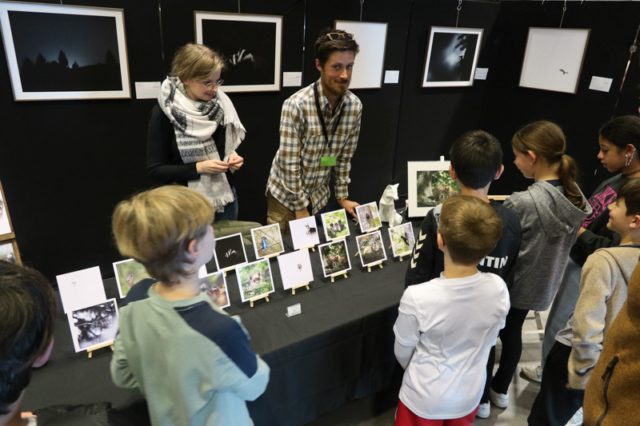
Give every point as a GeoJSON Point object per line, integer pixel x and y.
{"type": "Point", "coordinates": [532, 373]}
{"type": "Point", "coordinates": [500, 400]}
{"type": "Point", "coordinates": [484, 410]}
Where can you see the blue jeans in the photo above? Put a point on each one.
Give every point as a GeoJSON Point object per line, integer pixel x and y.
{"type": "Point", "coordinates": [230, 210]}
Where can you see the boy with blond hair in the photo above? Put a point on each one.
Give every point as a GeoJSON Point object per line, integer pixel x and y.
{"type": "Point", "coordinates": [192, 361]}
{"type": "Point", "coordinates": [446, 326]}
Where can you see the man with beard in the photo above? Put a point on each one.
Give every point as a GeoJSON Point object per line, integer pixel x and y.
{"type": "Point", "coordinates": [319, 130]}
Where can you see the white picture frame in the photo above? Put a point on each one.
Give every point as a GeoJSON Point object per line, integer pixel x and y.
{"type": "Point", "coordinates": [368, 217]}
{"type": "Point", "coordinates": [94, 325]}
{"type": "Point", "coordinates": [295, 268]}
{"type": "Point", "coordinates": [335, 224]}
{"type": "Point", "coordinates": [425, 179]}
{"type": "Point", "coordinates": [402, 236]}
{"type": "Point", "coordinates": [250, 44]}
{"type": "Point", "coordinates": [63, 58]}
{"type": "Point", "coordinates": [230, 252]}
{"type": "Point", "coordinates": [215, 285]}
{"type": "Point", "coordinates": [553, 59]}
{"type": "Point", "coordinates": [304, 232]}
{"type": "Point", "coordinates": [128, 273]}
{"type": "Point", "coordinates": [250, 285]}
{"type": "Point", "coordinates": [452, 56]}
{"type": "Point", "coordinates": [332, 265]}
{"type": "Point", "coordinates": [368, 71]}
{"type": "Point", "coordinates": [267, 241]}
{"type": "Point", "coordinates": [371, 248]}
{"type": "Point", "coordinates": [80, 289]}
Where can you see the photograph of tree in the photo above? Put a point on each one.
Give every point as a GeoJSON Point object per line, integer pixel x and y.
{"type": "Point", "coordinates": [402, 239]}
{"type": "Point", "coordinates": [335, 224]}
{"type": "Point", "coordinates": [452, 55]}
{"type": "Point", "coordinates": [434, 187]}
{"type": "Point", "coordinates": [94, 325]}
{"type": "Point", "coordinates": [75, 53]}
{"type": "Point", "coordinates": [371, 248]}
{"type": "Point", "coordinates": [334, 258]}
{"type": "Point", "coordinates": [128, 273]}
{"type": "Point", "coordinates": [368, 216]}
{"type": "Point", "coordinates": [255, 279]}
{"type": "Point", "coordinates": [216, 288]}
{"type": "Point", "coordinates": [267, 240]}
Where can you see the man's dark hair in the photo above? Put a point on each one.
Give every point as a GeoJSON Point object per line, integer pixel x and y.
{"type": "Point", "coordinates": [325, 47]}
{"type": "Point", "coordinates": [622, 131]}
{"type": "Point", "coordinates": [27, 319]}
{"type": "Point", "coordinates": [476, 157]}
{"type": "Point", "coordinates": [630, 191]}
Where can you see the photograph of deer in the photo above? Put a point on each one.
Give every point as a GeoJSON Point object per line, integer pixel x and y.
{"type": "Point", "coordinates": [368, 217]}
{"type": "Point", "coordinates": [371, 248]}
{"type": "Point", "coordinates": [335, 258]}
{"type": "Point", "coordinates": [94, 325]}
{"type": "Point", "coordinates": [402, 239]}
{"type": "Point", "coordinates": [267, 240]}
{"type": "Point", "coordinates": [216, 288]}
{"type": "Point", "coordinates": [128, 273]}
{"type": "Point", "coordinates": [229, 252]}
{"type": "Point", "coordinates": [335, 224]}
{"type": "Point", "coordinates": [255, 280]}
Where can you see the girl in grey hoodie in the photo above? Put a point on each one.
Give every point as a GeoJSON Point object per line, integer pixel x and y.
{"type": "Point", "coordinates": [551, 211]}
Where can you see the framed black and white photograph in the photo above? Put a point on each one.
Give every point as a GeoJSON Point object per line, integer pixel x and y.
{"type": "Point", "coordinates": [230, 252]}
{"type": "Point", "coordinates": [452, 56]}
{"type": "Point", "coordinates": [430, 183]}
{"type": "Point", "coordinates": [65, 52]}
{"type": "Point", "coordinates": [6, 229]}
{"type": "Point", "coordinates": [9, 252]}
{"type": "Point", "coordinates": [251, 46]}
{"type": "Point", "coordinates": [553, 59]}
{"type": "Point", "coordinates": [93, 326]}
{"type": "Point", "coordinates": [369, 65]}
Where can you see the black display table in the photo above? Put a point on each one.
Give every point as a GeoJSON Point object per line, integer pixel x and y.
{"type": "Point", "coordinates": [339, 349]}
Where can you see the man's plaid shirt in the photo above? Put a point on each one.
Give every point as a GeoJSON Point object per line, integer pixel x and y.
{"type": "Point", "coordinates": [296, 176]}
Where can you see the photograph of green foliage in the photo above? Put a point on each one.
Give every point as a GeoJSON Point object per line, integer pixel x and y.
{"type": "Point", "coordinates": [402, 239]}
{"type": "Point", "coordinates": [335, 258]}
{"type": "Point", "coordinates": [368, 216]}
{"type": "Point", "coordinates": [128, 272]}
{"type": "Point", "coordinates": [335, 224]}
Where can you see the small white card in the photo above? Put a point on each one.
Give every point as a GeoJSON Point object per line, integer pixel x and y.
{"type": "Point", "coordinates": [481, 73]}
{"type": "Point", "coordinates": [601, 84]}
{"type": "Point", "coordinates": [147, 89]}
{"type": "Point", "coordinates": [81, 289]}
{"type": "Point", "coordinates": [391, 77]}
{"type": "Point", "coordinates": [294, 310]}
{"type": "Point", "coordinates": [291, 79]}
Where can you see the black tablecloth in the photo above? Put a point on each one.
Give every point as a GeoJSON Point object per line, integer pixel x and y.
{"type": "Point", "coordinates": [339, 349]}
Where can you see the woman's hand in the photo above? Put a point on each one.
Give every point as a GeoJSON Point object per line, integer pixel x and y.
{"type": "Point", "coordinates": [212, 167]}
{"type": "Point", "coordinates": [235, 161]}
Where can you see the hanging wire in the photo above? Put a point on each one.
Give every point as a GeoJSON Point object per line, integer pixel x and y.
{"type": "Point", "coordinates": [238, 6]}
{"type": "Point", "coordinates": [361, 7]}
{"type": "Point", "coordinates": [564, 9]}
{"type": "Point", "coordinates": [459, 8]}
{"type": "Point", "coordinates": [161, 37]}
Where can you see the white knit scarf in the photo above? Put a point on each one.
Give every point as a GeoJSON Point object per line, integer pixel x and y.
{"type": "Point", "coordinates": [194, 123]}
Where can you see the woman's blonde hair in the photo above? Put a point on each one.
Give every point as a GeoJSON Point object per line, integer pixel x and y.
{"type": "Point", "coordinates": [546, 139]}
{"type": "Point", "coordinates": [155, 228]}
{"type": "Point", "coordinates": [195, 62]}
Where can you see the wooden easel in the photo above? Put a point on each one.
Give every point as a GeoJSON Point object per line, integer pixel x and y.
{"type": "Point", "coordinates": [100, 346]}
{"type": "Point", "coordinates": [402, 256]}
{"type": "Point", "coordinates": [228, 269]}
{"type": "Point", "coordinates": [293, 289]}
{"type": "Point", "coordinates": [266, 296]}
{"type": "Point", "coordinates": [313, 248]}
{"type": "Point", "coordinates": [338, 239]}
{"type": "Point", "coordinates": [335, 275]}
{"type": "Point", "coordinates": [270, 256]}
{"type": "Point", "coordinates": [375, 264]}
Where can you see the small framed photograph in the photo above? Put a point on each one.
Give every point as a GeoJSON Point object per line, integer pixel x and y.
{"type": "Point", "coordinates": [371, 248]}
{"type": "Point", "coordinates": [59, 52]}
{"type": "Point", "coordinates": [215, 285]}
{"type": "Point", "coordinates": [402, 239]}
{"type": "Point", "coordinates": [372, 40]}
{"type": "Point", "coordinates": [267, 240]}
{"type": "Point", "coordinates": [553, 59]}
{"type": "Point", "coordinates": [334, 257]}
{"type": "Point", "coordinates": [295, 268]}
{"type": "Point", "coordinates": [80, 289]}
{"type": "Point", "coordinates": [368, 217]}
{"type": "Point", "coordinates": [304, 232]}
{"type": "Point", "coordinates": [93, 326]}
{"type": "Point", "coordinates": [6, 228]}
{"type": "Point", "coordinates": [128, 273]}
{"type": "Point", "coordinates": [452, 56]}
{"type": "Point", "coordinates": [255, 280]}
{"type": "Point", "coordinates": [230, 252]}
{"type": "Point", "coordinates": [251, 46]}
{"type": "Point", "coordinates": [335, 224]}
{"type": "Point", "coordinates": [9, 252]}
{"type": "Point", "coordinates": [430, 183]}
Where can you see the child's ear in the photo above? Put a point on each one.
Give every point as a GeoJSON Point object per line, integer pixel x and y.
{"type": "Point", "coordinates": [532, 156]}
{"type": "Point", "coordinates": [635, 223]}
{"type": "Point", "coordinates": [499, 173]}
{"type": "Point", "coordinates": [193, 249]}
{"type": "Point", "coordinates": [440, 240]}
{"type": "Point", "coordinates": [42, 359]}
{"type": "Point", "coordinates": [452, 172]}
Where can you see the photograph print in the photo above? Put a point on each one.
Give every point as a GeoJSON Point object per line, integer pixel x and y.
{"type": "Point", "coordinates": [295, 268]}
{"type": "Point", "coordinates": [267, 240]}
{"type": "Point", "coordinates": [371, 248]}
{"type": "Point", "coordinates": [95, 325]}
{"type": "Point", "coordinates": [80, 289]}
{"type": "Point", "coordinates": [335, 258]}
{"type": "Point", "coordinates": [304, 232]}
{"type": "Point", "coordinates": [402, 239]}
{"type": "Point", "coordinates": [65, 52]}
{"type": "Point", "coordinates": [215, 286]}
{"type": "Point", "coordinates": [452, 56]}
{"type": "Point", "coordinates": [335, 224]}
{"type": "Point", "coordinates": [9, 252]}
{"type": "Point", "coordinates": [372, 41]}
{"type": "Point", "coordinates": [250, 46]}
{"type": "Point", "coordinates": [255, 279]}
{"type": "Point", "coordinates": [128, 273]}
{"type": "Point", "coordinates": [6, 230]}
{"type": "Point", "coordinates": [430, 183]}
{"type": "Point", "coordinates": [230, 252]}
{"type": "Point", "coordinates": [368, 217]}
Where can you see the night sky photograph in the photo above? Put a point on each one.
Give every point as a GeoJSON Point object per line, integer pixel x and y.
{"type": "Point", "coordinates": [66, 53]}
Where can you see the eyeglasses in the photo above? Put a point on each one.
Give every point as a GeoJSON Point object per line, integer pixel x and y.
{"type": "Point", "coordinates": [212, 84]}
{"type": "Point", "coordinates": [339, 36]}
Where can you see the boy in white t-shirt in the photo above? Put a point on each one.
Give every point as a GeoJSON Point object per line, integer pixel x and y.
{"type": "Point", "coordinates": [447, 326]}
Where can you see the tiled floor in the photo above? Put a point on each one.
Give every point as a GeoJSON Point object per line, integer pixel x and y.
{"type": "Point", "coordinates": [523, 393]}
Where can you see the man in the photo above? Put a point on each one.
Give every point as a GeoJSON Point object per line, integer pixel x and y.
{"type": "Point", "coordinates": [319, 130]}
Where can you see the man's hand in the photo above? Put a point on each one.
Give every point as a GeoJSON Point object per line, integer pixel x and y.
{"type": "Point", "coordinates": [211, 167]}
{"type": "Point", "coordinates": [235, 162]}
{"type": "Point", "coordinates": [300, 214]}
{"type": "Point", "coordinates": [349, 206]}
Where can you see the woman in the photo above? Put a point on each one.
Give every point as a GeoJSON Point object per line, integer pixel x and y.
{"type": "Point", "coordinates": [194, 130]}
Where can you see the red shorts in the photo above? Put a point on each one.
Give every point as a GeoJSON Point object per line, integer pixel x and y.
{"type": "Point", "coordinates": [406, 417]}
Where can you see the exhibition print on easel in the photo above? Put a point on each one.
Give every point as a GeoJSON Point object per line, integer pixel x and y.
{"type": "Point", "coordinates": [335, 224]}
{"type": "Point", "coordinates": [371, 248]}
{"type": "Point", "coordinates": [267, 240]}
{"type": "Point", "coordinates": [430, 183]}
{"type": "Point", "coordinates": [9, 252]}
{"type": "Point", "coordinates": [94, 325]}
{"type": "Point", "coordinates": [335, 258]}
{"type": "Point", "coordinates": [65, 52]}
{"type": "Point", "coordinates": [128, 273]}
{"type": "Point", "coordinates": [295, 268]}
{"type": "Point", "coordinates": [229, 252]}
{"type": "Point", "coordinates": [6, 229]}
{"type": "Point", "coordinates": [402, 239]}
{"type": "Point", "coordinates": [304, 232]}
{"type": "Point", "coordinates": [250, 45]}
{"type": "Point", "coordinates": [255, 280]}
{"type": "Point", "coordinates": [368, 216]}
{"type": "Point", "coordinates": [452, 56]}
{"type": "Point", "coordinates": [215, 286]}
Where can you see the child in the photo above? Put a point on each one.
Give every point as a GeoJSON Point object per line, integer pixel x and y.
{"type": "Point", "coordinates": [551, 212]}
{"type": "Point", "coordinates": [603, 292]}
{"type": "Point", "coordinates": [192, 361]}
{"type": "Point", "coordinates": [446, 327]}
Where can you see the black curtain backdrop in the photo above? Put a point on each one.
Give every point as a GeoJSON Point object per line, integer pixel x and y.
{"type": "Point", "coordinates": [64, 165]}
